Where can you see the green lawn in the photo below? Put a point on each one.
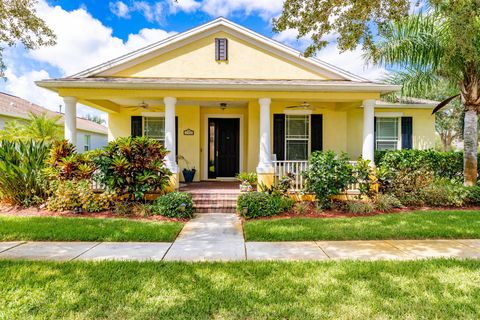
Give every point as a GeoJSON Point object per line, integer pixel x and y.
{"type": "Point", "coordinates": [85, 229]}
{"type": "Point", "coordinates": [440, 289]}
{"type": "Point", "coordinates": [415, 225]}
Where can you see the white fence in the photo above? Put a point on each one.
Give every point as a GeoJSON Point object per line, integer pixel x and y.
{"type": "Point", "coordinates": [294, 170]}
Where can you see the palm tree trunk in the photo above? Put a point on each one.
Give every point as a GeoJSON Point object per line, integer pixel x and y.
{"type": "Point", "coordinates": [470, 147]}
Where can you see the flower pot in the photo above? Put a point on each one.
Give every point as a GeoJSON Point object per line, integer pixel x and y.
{"type": "Point", "coordinates": [245, 187]}
{"type": "Point", "coordinates": [188, 175]}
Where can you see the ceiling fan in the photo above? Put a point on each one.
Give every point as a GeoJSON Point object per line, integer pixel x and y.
{"type": "Point", "coordinates": [304, 105]}
{"type": "Point", "coordinates": [141, 105]}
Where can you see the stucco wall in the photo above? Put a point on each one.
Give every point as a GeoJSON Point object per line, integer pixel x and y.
{"type": "Point", "coordinates": [97, 140]}
{"type": "Point", "coordinates": [197, 60]}
{"type": "Point", "coordinates": [423, 130]}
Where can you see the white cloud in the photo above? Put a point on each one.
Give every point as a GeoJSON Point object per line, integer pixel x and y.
{"type": "Point", "coordinates": [24, 87]}
{"type": "Point", "coordinates": [152, 13]}
{"type": "Point", "coordinates": [82, 42]}
{"type": "Point", "coordinates": [266, 9]}
{"type": "Point", "coordinates": [351, 61]}
{"type": "Point", "coordinates": [120, 9]}
{"type": "Point", "coordinates": [183, 5]}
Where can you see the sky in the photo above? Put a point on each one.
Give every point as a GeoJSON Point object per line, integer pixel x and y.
{"type": "Point", "coordinates": [90, 32]}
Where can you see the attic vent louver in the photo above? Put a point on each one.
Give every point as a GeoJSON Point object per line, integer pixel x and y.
{"type": "Point", "coordinates": [221, 49]}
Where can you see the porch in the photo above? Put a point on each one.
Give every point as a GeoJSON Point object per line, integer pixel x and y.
{"type": "Point", "coordinates": [221, 137]}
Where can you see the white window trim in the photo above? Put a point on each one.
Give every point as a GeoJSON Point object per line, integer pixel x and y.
{"type": "Point", "coordinates": [152, 115]}
{"type": "Point", "coordinates": [395, 115]}
{"type": "Point", "coordinates": [87, 138]}
{"type": "Point", "coordinates": [309, 143]}
{"type": "Point", "coordinates": [298, 112]}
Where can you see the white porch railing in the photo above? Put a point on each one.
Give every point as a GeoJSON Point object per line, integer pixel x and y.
{"type": "Point", "coordinates": [294, 169]}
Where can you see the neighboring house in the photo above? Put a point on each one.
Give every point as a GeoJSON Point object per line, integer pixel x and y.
{"type": "Point", "coordinates": [90, 135]}
{"type": "Point", "coordinates": [221, 96]}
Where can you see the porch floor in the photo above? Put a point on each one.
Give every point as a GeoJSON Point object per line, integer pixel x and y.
{"type": "Point", "coordinates": [211, 187]}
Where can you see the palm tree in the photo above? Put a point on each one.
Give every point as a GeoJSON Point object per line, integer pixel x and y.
{"type": "Point", "coordinates": [39, 127]}
{"type": "Point", "coordinates": [442, 45]}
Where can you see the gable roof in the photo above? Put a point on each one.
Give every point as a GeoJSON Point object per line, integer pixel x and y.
{"type": "Point", "coordinates": [16, 107]}
{"type": "Point", "coordinates": [225, 25]}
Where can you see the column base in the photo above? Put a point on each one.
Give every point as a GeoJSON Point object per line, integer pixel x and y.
{"type": "Point", "coordinates": [174, 183]}
{"type": "Point", "coordinates": [265, 176]}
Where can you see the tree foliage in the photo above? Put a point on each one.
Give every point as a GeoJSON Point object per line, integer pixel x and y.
{"type": "Point", "coordinates": [19, 23]}
{"type": "Point", "coordinates": [354, 21]}
{"type": "Point", "coordinates": [38, 127]}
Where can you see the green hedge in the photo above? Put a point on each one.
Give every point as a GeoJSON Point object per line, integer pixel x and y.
{"type": "Point", "coordinates": [261, 204]}
{"type": "Point", "coordinates": [443, 164]}
{"type": "Point", "coordinates": [173, 205]}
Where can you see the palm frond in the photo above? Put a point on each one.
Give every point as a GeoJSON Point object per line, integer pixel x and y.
{"type": "Point", "coordinates": [414, 42]}
{"type": "Point", "coordinates": [444, 103]}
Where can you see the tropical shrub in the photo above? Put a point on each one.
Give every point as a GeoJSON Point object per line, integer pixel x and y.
{"type": "Point", "coordinates": [473, 195]}
{"type": "Point", "coordinates": [386, 202]}
{"type": "Point", "coordinates": [366, 178]}
{"type": "Point", "coordinates": [66, 164]}
{"type": "Point", "coordinates": [445, 193]}
{"type": "Point", "coordinates": [360, 207]}
{"type": "Point", "coordinates": [447, 165]}
{"type": "Point", "coordinates": [173, 205]}
{"type": "Point", "coordinates": [328, 175]}
{"type": "Point", "coordinates": [71, 195]}
{"type": "Point", "coordinates": [133, 166]}
{"type": "Point", "coordinates": [262, 204]}
{"type": "Point", "coordinates": [250, 177]}
{"type": "Point", "coordinates": [22, 180]}
{"type": "Point", "coordinates": [407, 185]}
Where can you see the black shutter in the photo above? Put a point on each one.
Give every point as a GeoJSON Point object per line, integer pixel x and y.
{"type": "Point", "coordinates": [374, 133]}
{"type": "Point", "coordinates": [136, 126]}
{"type": "Point", "coordinates": [316, 139]}
{"type": "Point", "coordinates": [279, 136]}
{"type": "Point", "coordinates": [176, 138]}
{"type": "Point", "coordinates": [221, 49]}
{"type": "Point", "coordinates": [407, 132]}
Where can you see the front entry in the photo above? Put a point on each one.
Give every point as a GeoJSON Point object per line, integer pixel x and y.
{"type": "Point", "coordinates": [223, 147]}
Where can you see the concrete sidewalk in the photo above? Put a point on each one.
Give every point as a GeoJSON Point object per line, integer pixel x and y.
{"type": "Point", "coordinates": [219, 237]}
{"type": "Point", "coordinates": [234, 250]}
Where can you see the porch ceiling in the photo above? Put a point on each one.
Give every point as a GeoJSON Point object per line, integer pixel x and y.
{"type": "Point", "coordinates": [180, 102]}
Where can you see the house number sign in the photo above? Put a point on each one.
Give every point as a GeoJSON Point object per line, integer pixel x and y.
{"type": "Point", "coordinates": [188, 132]}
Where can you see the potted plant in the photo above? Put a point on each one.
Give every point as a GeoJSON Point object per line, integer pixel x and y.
{"type": "Point", "coordinates": [188, 173]}
{"type": "Point", "coordinates": [247, 181]}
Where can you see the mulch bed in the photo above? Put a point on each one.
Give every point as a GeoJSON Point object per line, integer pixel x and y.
{"type": "Point", "coordinates": [6, 210]}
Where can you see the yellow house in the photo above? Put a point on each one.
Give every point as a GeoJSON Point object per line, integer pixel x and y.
{"type": "Point", "coordinates": [228, 100]}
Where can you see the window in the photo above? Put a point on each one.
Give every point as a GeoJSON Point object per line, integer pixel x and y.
{"type": "Point", "coordinates": [297, 137]}
{"type": "Point", "coordinates": [221, 49]}
{"type": "Point", "coordinates": [387, 137]}
{"type": "Point", "coordinates": [86, 142]}
{"type": "Point", "coordinates": [154, 128]}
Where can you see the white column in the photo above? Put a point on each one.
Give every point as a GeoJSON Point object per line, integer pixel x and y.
{"type": "Point", "coordinates": [265, 158]}
{"type": "Point", "coordinates": [368, 148]}
{"type": "Point", "coordinates": [71, 119]}
{"type": "Point", "coordinates": [171, 161]}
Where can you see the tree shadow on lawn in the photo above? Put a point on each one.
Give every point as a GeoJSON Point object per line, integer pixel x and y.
{"type": "Point", "coordinates": [260, 290]}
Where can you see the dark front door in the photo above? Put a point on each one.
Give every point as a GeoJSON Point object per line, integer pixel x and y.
{"type": "Point", "coordinates": [223, 147]}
